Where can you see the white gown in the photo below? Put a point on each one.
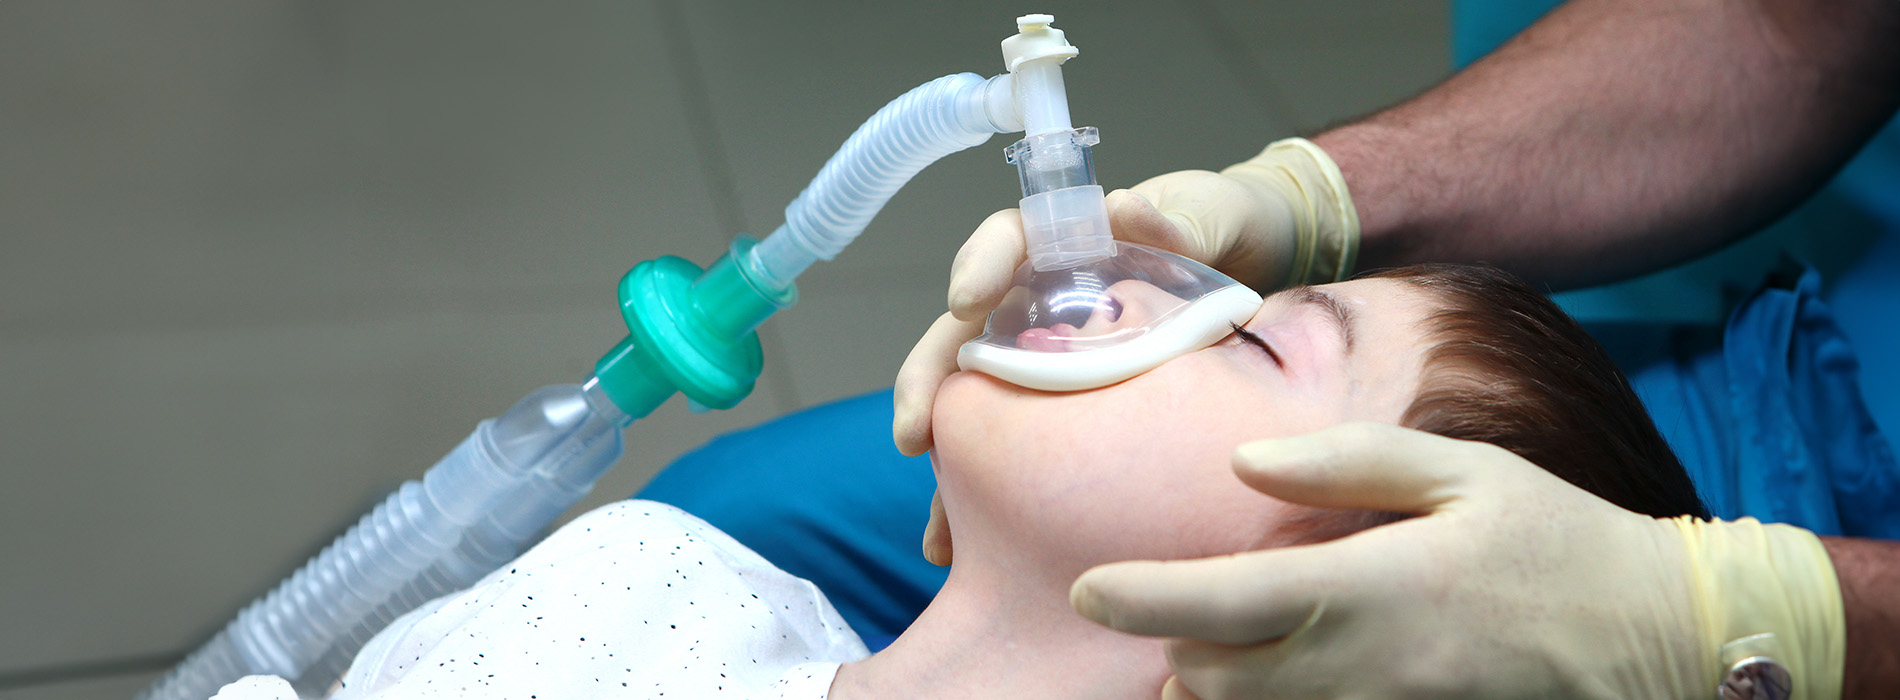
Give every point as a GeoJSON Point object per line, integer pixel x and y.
{"type": "Point", "coordinates": [634, 600]}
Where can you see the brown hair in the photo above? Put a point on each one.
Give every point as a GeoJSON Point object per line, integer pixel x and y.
{"type": "Point", "coordinates": [1512, 369]}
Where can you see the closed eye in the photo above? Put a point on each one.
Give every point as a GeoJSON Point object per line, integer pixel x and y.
{"type": "Point", "coordinates": [1255, 341]}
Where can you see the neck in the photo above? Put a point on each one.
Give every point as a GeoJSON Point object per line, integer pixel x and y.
{"type": "Point", "coordinates": [997, 632]}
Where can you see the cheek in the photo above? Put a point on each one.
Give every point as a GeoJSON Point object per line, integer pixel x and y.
{"type": "Point", "coordinates": [983, 423]}
{"type": "Point", "coordinates": [1138, 470]}
{"type": "Point", "coordinates": [1169, 435]}
{"type": "Point", "coordinates": [977, 411]}
{"type": "Point", "coordinates": [962, 419]}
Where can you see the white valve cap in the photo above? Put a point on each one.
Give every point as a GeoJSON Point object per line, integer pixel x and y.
{"type": "Point", "coordinates": [1035, 39]}
{"type": "Point", "coordinates": [1029, 22]}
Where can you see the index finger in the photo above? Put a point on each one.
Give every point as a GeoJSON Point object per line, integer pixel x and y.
{"type": "Point", "coordinates": [1370, 466]}
{"type": "Point", "coordinates": [1240, 599]}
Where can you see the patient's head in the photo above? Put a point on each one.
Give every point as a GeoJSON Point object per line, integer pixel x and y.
{"type": "Point", "coordinates": [1510, 368]}
{"type": "Point", "coordinates": [1141, 469]}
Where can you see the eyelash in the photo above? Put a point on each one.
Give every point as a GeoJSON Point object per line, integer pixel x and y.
{"type": "Point", "coordinates": [1255, 341]}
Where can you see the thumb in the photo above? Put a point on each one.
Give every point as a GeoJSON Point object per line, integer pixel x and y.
{"type": "Point", "coordinates": [1368, 466]}
{"type": "Point", "coordinates": [1136, 218]}
{"type": "Point", "coordinates": [937, 545]}
{"type": "Point", "coordinates": [1175, 690]}
{"type": "Point", "coordinates": [985, 265]}
{"type": "Point", "coordinates": [1171, 212]}
{"type": "Point", "coordinates": [1242, 230]}
{"type": "Point", "coordinates": [914, 394]}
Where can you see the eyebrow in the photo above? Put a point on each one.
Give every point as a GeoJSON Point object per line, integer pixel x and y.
{"type": "Point", "coordinates": [1342, 316]}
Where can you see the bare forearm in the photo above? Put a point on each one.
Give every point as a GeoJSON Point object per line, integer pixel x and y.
{"type": "Point", "coordinates": [1869, 571]}
{"type": "Point", "coordinates": [1620, 136]}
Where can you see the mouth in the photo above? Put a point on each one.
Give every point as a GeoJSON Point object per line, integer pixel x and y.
{"type": "Point", "coordinates": [1052, 339]}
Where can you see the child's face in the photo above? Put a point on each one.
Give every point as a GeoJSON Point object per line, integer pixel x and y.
{"type": "Point", "coordinates": [1145, 462]}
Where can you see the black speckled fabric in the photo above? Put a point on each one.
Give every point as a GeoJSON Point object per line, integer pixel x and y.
{"type": "Point", "coordinates": [634, 600]}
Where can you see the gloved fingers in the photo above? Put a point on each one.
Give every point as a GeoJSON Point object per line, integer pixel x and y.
{"type": "Point", "coordinates": [1363, 465]}
{"type": "Point", "coordinates": [1179, 211]}
{"type": "Point", "coordinates": [1221, 672]}
{"type": "Point", "coordinates": [1174, 690]}
{"type": "Point", "coordinates": [1295, 667]}
{"type": "Point", "coordinates": [1240, 599]}
{"type": "Point", "coordinates": [932, 360]}
{"type": "Point", "coordinates": [1241, 230]}
{"type": "Point", "coordinates": [1136, 219]}
{"type": "Point", "coordinates": [986, 264]}
{"type": "Point", "coordinates": [937, 548]}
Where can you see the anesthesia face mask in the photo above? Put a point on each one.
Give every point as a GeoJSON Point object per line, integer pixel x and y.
{"type": "Point", "coordinates": [1086, 310]}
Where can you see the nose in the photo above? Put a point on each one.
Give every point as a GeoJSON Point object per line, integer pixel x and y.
{"type": "Point", "coordinates": [1080, 307]}
{"type": "Point", "coordinates": [1130, 305]}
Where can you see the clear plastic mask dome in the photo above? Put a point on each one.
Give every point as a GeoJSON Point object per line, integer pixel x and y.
{"type": "Point", "coordinates": [1093, 324]}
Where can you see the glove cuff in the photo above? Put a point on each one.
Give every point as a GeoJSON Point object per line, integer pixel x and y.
{"type": "Point", "coordinates": [1326, 243]}
{"type": "Point", "coordinates": [1767, 590]}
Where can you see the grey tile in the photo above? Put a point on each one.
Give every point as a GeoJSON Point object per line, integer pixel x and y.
{"type": "Point", "coordinates": [117, 687]}
{"type": "Point", "coordinates": [848, 338]}
{"type": "Point", "coordinates": [1325, 62]}
{"type": "Point", "coordinates": [225, 165]}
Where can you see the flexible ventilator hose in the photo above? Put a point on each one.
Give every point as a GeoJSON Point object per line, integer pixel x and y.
{"type": "Point", "coordinates": [470, 513]}
{"type": "Point", "coordinates": [931, 121]}
{"type": "Point", "coordinates": [502, 486]}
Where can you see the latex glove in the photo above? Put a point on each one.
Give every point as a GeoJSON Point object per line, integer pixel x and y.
{"type": "Point", "coordinates": [1513, 584]}
{"type": "Point", "coordinates": [937, 533]}
{"type": "Point", "coordinates": [1279, 219]}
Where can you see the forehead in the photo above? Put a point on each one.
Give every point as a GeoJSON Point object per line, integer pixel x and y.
{"type": "Point", "coordinates": [1387, 297]}
{"type": "Point", "coordinates": [1391, 310]}
{"type": "Point", "coordinates": [1383, 308]}
{"type": "Point", "coordinates": [1391, 334]}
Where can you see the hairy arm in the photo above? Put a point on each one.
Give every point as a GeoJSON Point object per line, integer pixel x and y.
{"type": "Point", "coordinates": [1616, 137]}
{"type": "Point", "coordinates": [1870, 588]}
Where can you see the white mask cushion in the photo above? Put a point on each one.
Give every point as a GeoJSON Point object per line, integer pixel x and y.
{"type": "Point", "coordinates": [1200, 324]}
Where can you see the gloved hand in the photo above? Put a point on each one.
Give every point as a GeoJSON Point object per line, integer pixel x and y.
{"type": "Point", "coordinates": [1512, 584]}
{"type": "Point", "coordinates": [1282, 218]}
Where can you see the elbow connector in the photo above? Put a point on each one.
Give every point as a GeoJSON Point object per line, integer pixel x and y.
{"type": "Point", "coordinates": [997, 102]}
{"type": "Point", "coordinates": [1034, 57]}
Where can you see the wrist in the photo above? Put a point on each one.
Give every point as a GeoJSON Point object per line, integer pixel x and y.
{"type": "Point", "coordinates": [1387, 195]}
{"type": "Point", "coordinates": [1766, 590]}
{"type": "Point", "coordinates": [1323, 221]}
